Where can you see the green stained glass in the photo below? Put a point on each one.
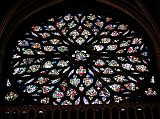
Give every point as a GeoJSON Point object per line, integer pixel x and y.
{"type": "Point", "coordinates": [80, 59]}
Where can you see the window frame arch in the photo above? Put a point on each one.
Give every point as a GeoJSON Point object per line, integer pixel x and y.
{"type": "Point", "coordinates": [11, 35]}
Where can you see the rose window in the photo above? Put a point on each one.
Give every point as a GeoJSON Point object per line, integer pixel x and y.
{"type": "Point", "coordinates": [79, 59]}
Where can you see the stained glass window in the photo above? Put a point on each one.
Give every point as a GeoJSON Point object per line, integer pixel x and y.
{"type": "Point", "coordinates": [80, 59]}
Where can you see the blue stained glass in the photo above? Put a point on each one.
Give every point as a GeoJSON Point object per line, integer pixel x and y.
{"type": "Point", "coordinates": [80, 59]}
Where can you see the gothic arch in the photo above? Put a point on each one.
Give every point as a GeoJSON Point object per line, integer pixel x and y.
{"type": "Point", "coordinates": [22, 11]}
{"type": "Point", "coordinates": [14, 19]}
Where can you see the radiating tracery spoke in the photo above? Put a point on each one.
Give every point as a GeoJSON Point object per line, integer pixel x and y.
{"type": "Point", "coordinates": [77, 59]}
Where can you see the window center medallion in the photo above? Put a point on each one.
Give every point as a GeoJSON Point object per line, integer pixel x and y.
{"type": "Point", "coordinates": [80, 55]}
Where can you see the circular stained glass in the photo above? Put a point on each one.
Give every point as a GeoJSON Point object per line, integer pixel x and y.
{"type": "Point", "coordinates": [80, 59]}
